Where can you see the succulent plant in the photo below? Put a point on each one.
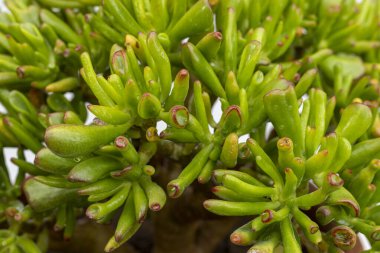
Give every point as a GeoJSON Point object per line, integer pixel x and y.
{"type": "Point", "coordinates": [295, 150]}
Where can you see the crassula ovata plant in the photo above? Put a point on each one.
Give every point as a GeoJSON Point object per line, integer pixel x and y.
{"type": "Point", "coordinates": [291, 165]}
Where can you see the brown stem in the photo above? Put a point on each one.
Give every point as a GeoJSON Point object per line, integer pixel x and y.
{"type": "Point", "coordinates": [211, 233]}
{"type": "Point", "coordinates": [184, 225]}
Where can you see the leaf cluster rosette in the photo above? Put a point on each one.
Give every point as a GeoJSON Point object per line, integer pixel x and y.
{"type": "Point", "coordinates": [41, 47]}
{"type": "Point", "coordinates": [309, 68]}
{"type": "Point", "coordinates": [304, 173]}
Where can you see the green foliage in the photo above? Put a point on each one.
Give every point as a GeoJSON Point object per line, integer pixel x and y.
{"type": "Point", "coordinates": [308, 68]}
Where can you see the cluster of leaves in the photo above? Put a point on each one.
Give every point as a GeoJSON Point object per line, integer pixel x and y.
{"type": "Point", "coordinates": [308, 68]}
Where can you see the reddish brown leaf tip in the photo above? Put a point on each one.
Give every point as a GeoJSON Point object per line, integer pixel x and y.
{"type": "Point", "coordinates": [155, 207]}
{"type": "Point", "coordinates": [235, 239]}
{"type": "Point", "coordinates": [173, 190]}
{"type": "Point", "coordinates": [267, 216]}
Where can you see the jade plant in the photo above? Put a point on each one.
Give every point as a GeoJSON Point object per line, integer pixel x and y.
{"type": "Point", "coordinates": [290, 165]}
